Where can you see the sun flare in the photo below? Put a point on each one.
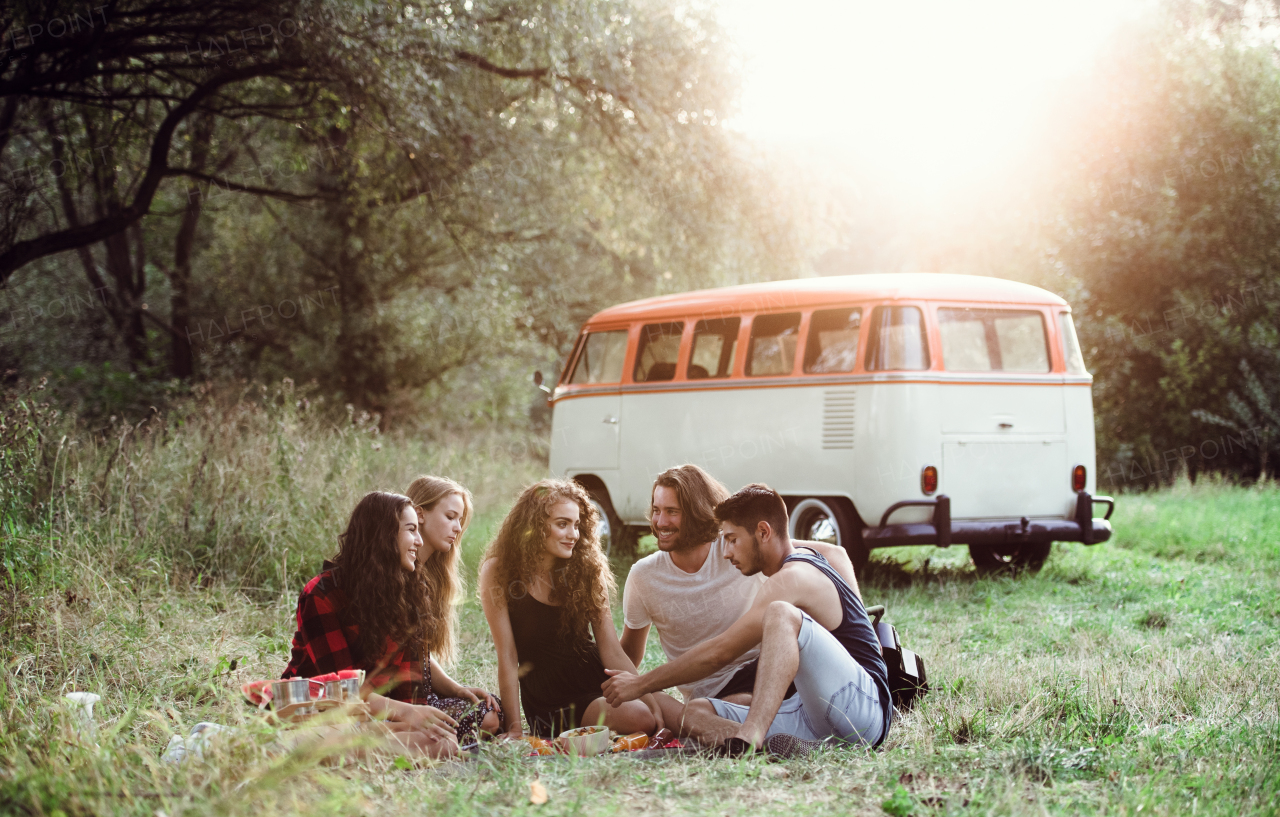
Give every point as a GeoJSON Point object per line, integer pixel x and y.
{"type": "Point", "coordinates": [926, 98]}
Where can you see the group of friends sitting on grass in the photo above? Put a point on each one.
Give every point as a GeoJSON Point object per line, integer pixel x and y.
{"type": "Point", "coordinates": [767, 639]}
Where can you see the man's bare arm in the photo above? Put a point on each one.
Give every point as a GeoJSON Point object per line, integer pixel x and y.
{"type": "Point", "coordinates": [837, 558]}
{"type": "Point", "coordinates": [633, 642]}
{"type": "Point", "coordinates": [711, 655]}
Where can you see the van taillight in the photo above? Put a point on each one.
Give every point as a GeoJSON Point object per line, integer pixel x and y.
{"type": "Point", "coordinates": [929, 480]}
{"type": "Point", "coordinates": [1078, 477]}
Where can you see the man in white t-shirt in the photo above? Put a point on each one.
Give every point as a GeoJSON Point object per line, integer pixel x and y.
{"type": "Point", "coordinates": [688, 589]}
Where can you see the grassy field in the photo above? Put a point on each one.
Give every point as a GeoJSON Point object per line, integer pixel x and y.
{"type": "Point", "coordinates": [1141, 675]}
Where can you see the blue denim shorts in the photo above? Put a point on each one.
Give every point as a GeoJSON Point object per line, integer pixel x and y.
{"type": "Point", "coordinates": [835, 697]}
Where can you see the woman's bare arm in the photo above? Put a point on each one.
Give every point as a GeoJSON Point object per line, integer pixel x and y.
{"type": "Point", "coordinates": [494, 601]}
{"type": "Point", "coordinates": [616, 658]}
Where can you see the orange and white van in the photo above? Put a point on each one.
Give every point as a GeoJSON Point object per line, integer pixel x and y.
{"type": "Point", "coordinates": [887, 409]}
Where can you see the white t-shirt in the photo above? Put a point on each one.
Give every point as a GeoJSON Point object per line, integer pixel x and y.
{"type": "Point", "coordinates": [690, 608]}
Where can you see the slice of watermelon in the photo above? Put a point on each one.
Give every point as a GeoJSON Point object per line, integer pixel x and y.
{"type": "Point", "coordinates": [258, 692]}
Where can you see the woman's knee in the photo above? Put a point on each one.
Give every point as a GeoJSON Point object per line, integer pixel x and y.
{"type": "Point", "coordinates": [491, 723]}
{"type": "Point", "coordinates": [631, 717]}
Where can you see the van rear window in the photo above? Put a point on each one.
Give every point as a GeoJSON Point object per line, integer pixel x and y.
{"type": "Point", "coordinates": [897, 340]}
{"type": "Point", "coordinates": [601, 358]}
{"type": "Point", "coordinates": [657, 353]}
{"type": "Point", "coordinates": [833, 341]}
{"type": "Point", "coordinates": [773, 344]}
{"type": "Point", "coordinates": [714, 343]}
{"type": "Point", "coordinates": [1070, 344]}
{"type": "Point", "coordinates": [993, 340]}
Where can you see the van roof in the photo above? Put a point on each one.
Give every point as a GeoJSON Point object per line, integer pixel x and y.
{"type": "Point", "coordinates": [802, 293]}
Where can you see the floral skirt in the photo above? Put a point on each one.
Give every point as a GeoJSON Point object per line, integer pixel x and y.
{"type": "Point", "coordinates": [468, 714]}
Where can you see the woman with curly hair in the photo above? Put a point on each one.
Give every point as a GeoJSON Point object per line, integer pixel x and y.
{"type": "Point", "coordinates": [545, 587]}
{"type": "Point", "coordinates": [369, 609]}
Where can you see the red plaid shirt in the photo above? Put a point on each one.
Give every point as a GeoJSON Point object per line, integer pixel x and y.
{"type": "Point", "coordinates": [326, 642]}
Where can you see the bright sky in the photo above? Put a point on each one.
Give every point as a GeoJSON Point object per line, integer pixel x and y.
{"type": "Point", "coordinates": [928, 97]}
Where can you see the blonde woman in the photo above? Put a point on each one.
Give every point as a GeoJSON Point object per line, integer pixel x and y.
{"type": "Point", "coordinates": [444, 510]}
{"type": "Point", "coordinates": [545, 586]}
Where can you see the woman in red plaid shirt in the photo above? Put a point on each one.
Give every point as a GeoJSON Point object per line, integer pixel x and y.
{"type": "Point", "coordinates": [374, 607]}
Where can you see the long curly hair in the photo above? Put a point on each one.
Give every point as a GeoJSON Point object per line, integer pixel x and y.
{"type": "Point", "coordinates": [382, 598]}
{"type": "Point", "coordinates": [439, 571]}
{"type": "Point", "coordinates": [582, 584]}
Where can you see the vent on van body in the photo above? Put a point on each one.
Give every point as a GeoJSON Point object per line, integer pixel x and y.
{"type": "Point", "coordinates": [837, 419]}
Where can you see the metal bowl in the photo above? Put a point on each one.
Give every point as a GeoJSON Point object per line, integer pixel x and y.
{"type": "Point", "coordinates": [290, 691]}
{"type": "Point", "coordinates": [351, 688]}
{"type": "Point", "coordinates": [333, 691]}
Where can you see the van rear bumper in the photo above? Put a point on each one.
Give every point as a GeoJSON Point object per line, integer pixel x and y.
{"type": "Point", "coordinates": [943, 531]}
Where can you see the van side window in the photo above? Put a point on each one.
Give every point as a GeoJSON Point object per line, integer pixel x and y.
{"type": "Point", "coordinates": [714, 343]}
{"type": "Point", "coordinates": [601, 358]}
{"type": "Point", "coordinates": [773, 344]}
{"type": "Point", "coordinates": [897, 339]}
{"type": "Point", "coordinates": [833, 341]}
{"type": "Point", "coordinates": [992, 340]}
{"type": "Point", "coordinates": [656, 355]}
{"type": "Point", "coordinates": [1070, 344]}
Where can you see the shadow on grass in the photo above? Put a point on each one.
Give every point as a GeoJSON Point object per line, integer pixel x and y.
{"type": "Point", "coordinates": [889, 573]}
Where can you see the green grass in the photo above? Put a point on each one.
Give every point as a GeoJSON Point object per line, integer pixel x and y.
{"type": "Point", "coordinates": [1141, 675]}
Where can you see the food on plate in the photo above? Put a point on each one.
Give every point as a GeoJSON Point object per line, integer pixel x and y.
{"type": "Point", "coordinates": [584, 741]}
{"type": "Point", "coordinates": [344, 674]}
{"type": "Point", "coordinates": [328, 676]}
{"type": "Point", "coordinates": [630, 743]}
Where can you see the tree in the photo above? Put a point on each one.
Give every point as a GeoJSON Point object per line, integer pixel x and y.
{"type": "Point", "coordinates": [1169, 237]}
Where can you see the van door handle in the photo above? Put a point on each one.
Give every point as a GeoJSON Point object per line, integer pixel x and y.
{"type": "Point", "coordinates": [611, 420]}
{"type": "Point", "coordinates": [1006, 425]}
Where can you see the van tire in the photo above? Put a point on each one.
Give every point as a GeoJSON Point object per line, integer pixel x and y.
{"type": "Point", "coordinates": [615, 536]}
{"type": "Point", "coordinates": [810, 511]}
{"type": "Point", "coordinates": [993, 559]}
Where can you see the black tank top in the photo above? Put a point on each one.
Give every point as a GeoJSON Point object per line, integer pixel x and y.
{"type": "Point", "coordinates": [556, 673]}
{"type": "Point", "coordinates": [854, 633]}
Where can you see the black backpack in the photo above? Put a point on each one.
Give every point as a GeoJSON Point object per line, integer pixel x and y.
{"type": "Point", "coordinates": [907, 677]}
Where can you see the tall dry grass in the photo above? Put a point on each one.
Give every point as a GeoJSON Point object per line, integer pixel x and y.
{"type": "Point", "coordinates": [247, 487]}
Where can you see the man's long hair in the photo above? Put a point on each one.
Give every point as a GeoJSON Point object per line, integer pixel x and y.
{"type": "Point", "coordinates": [439, 571]}
{"type": "Point", "coordinates": [698, 494]}
{"type": "Point", "coordinates": [382, 598]}
{"type": "Point", "coordinates": [583, 583]}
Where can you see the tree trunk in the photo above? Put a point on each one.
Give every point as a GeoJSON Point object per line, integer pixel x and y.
{"type": "Point", "coordinates": [181, 360]}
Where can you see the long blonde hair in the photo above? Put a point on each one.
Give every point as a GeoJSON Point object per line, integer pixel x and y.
{"type": "Point", "coordinates": [439, 572]}
{"type": "Point", "coordinates": [583, 583]}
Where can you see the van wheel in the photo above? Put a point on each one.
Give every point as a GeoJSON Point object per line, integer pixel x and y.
{"type": "Point", "coordinates": [616, 537]}
{"type": "Point", "coordinates": [990, 559]}
{"type": "Point", "coordinates": [608, 525]}
{"type": "Point", "coordinates": [827, 519]}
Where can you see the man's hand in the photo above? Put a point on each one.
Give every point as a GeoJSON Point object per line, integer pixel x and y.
{"type": "Point", "coordinates": [621, 687]}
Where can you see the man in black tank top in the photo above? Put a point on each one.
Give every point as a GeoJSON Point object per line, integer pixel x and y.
{"type": "Point", "coordinates": [812, 628]}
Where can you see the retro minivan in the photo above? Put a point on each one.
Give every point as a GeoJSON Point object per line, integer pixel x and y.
{"type": "Point", "coordinates": [901, 409]}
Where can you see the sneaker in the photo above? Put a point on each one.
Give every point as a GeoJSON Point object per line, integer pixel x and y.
{"type": "Point", "coordinates": [790, 746]}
